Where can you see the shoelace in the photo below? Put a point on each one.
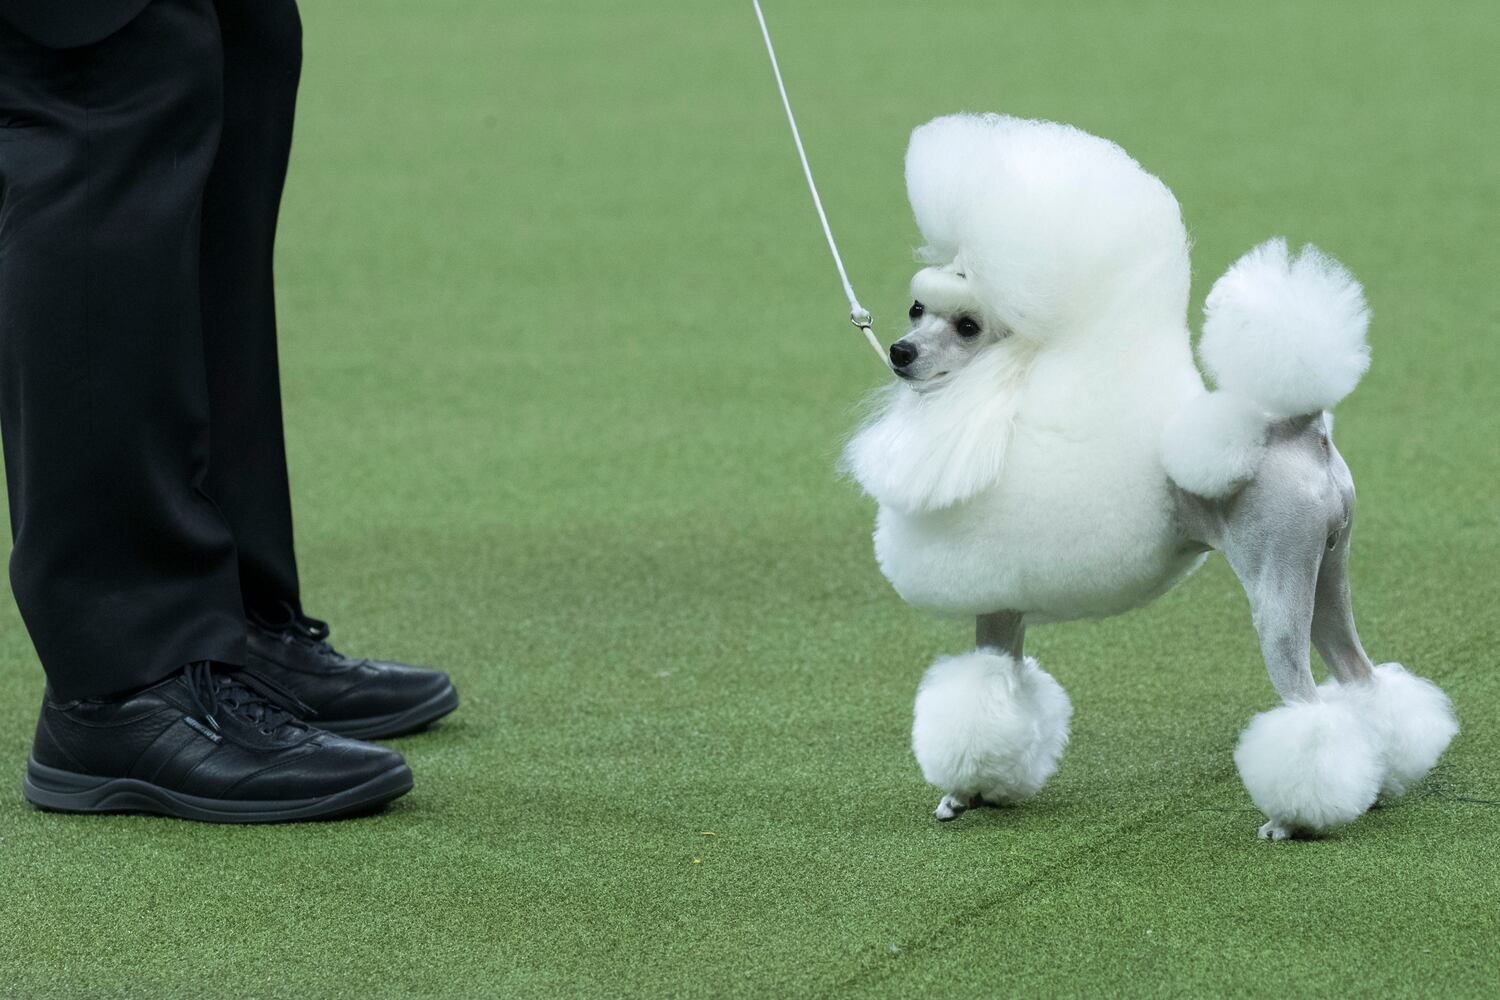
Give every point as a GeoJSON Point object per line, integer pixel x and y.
{"type": "Point", "coordinates": [297, 627]}
{"type": "Point", "coordinates": [244, 694]}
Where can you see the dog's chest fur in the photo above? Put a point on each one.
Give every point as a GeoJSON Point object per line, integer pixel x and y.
{"type": "Point", "coordinates": [1080, 520]}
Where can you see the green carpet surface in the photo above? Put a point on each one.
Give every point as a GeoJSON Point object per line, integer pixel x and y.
{"type": "Point", "coordinates": [566, 373]}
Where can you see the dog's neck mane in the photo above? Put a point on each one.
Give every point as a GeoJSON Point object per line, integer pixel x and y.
{"type": "Point", "coordinates": [925, 451]}
{"type": "Point", "coordinates": [922, 452]}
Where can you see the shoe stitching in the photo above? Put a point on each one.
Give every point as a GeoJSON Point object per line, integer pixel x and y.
{"type": "Point", "coordinates": [117, 723]}
{"type": "Point", "coordinates": [268, 768]}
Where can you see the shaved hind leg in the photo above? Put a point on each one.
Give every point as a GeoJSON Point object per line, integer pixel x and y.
{"type": "Point", "coordinates": [1311, 764]}
{"type": "Point", "coordinates": [1333, 630]}
{"type": "Point", "coordinates": [1409, 717]}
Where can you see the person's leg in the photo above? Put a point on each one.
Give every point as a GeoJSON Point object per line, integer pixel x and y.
{"type": "Point", "coordinates": [262, 42]}
{"type": "Point", "coordinates": [247, 468]}
{"type": "Point", "coordinates": [122, 567]}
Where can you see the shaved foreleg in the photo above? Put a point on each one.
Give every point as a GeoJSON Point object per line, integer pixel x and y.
{"type": "Point", "coordinates": [1002, 630]}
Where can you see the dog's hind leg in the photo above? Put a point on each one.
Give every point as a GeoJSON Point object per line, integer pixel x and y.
{"type": "Point", "coordinates": [1333, 631]}
{"type": "Point", "coordinates": [1311, 764]}
{"type": "Point", "coordinates": [1410, 718]}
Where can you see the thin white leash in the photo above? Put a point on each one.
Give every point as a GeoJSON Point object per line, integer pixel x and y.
{"type": "Point", "coordinates": [858, 314]}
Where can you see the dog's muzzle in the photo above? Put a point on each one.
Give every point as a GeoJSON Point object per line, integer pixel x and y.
{"type": "Point", "coordinates": [902, 354]}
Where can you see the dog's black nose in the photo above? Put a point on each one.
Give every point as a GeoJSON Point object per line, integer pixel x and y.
{"type": "Point", "coordinates": [902, 354]}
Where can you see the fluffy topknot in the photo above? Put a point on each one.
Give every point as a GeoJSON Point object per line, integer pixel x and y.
{"type": "Point", "coordinates": [1057, 228]}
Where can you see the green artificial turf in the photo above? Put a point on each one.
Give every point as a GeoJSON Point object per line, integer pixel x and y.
{"type": "Point", "coordinates": [566, 373]}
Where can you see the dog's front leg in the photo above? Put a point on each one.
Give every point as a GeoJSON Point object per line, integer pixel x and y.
{"type": "Point", "coordinates": [988, 726]}
{"type": "Point", "coordinates": [954, 806]}
{"type": "Point", "coordinates": [1002, 630]}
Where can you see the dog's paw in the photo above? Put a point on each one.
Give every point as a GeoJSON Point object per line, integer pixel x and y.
{"type": "Point", "coordinates": [1273, 830]}
{"type": "Point", "coordinates": [951, 807]}
{"type": "Point", "coordinates": [987, 721]}
{"type": "Point", "coordinates": [1310, 766]}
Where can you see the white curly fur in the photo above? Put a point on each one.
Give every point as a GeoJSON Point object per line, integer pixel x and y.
{"type": "Point", "coordinates": [1309, 766]}
{"type": "Point", "coordinates": [987, 724]}
{"type": "Point", "coordinates": [1040, 479]}
{"type": "Point", "coordinates": [1049, 494]}
{"type": "Point", "coordinates": [1287, 332]}
{"type": "Point", "coordinates": [1058, 228]}
{"type": "Point", "coordinates": [1409, 717]}
{"type": "Point", "coordinates": [928, 451]}
{"type": "Point", "coordinates": [1214, 443]}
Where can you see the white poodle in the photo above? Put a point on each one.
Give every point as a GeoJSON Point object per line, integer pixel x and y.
{"type": "Point", "coordinates": [1050, 452]}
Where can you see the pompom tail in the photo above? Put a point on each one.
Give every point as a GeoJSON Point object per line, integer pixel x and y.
{"type": "Point", "coordinates": [1286, 332]}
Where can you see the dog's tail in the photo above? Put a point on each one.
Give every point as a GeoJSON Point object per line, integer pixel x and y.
{"type": "Point", "coordinates": [1284, 337]}
{"type": "Point", "coordinates": [1286, 332]}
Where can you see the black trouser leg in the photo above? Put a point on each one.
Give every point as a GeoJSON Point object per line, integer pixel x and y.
{"type": "Point", "coordinates": [262, 41]}
{"type": "Point", "coordinates": [122, 566]}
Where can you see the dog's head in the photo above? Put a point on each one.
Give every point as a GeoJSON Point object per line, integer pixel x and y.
{"type": "Point", "coordinates": [949, 327]}
{"type": "Point", "coordinates": [1035, 230]}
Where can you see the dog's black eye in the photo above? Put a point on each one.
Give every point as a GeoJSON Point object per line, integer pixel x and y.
{"type": "Point", "coordinates": [966, 327]}
{"type": "Point", "coordinates": [916, 310]}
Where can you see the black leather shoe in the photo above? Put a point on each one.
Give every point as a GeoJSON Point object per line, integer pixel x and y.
{"type": "Point", "coordinates": [368, 699]}
{"type": "Point", "coordinates": [208, 746]}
